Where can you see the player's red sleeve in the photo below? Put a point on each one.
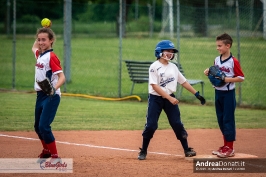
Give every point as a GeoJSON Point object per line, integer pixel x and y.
{"type": "Point", "coordinates": [55, 63]}
{"type": "Point", "coordinates": [237, 68]}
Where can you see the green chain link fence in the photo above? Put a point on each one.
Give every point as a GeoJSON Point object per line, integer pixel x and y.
{"type": "Point", "coordinates": [95, 44]}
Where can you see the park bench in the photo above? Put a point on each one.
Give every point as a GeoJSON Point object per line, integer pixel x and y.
{"type": "Point", "coordinates": [138, 72]}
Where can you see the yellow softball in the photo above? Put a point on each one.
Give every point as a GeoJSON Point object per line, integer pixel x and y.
{"type": "Point", "coordinates": [46, 22]}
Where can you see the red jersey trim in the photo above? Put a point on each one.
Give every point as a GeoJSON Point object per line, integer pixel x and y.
{"type": "Point", "coordinates": [237, 68]}
{"type": "Point", "coordinates": [54, 62]}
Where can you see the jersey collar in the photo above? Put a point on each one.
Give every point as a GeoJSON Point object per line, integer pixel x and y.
{"type": "Point", "coordinates": [225, 59]}
{"type": "Point", "coordinates": [50, 50]}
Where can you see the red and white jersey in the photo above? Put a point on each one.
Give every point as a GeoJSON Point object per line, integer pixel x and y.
{"type": "Point", "coordinates": [47, 65]}
{"type": "Point", "coordinates": [166, 76]}
{"type": "Point", "coordinates": [231, 67]}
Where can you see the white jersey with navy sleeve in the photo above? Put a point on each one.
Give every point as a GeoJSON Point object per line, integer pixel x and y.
{"type": "Point", "coordinates": [166, 76]}
{"type": "Point", "coordinates": [231, 68]}
{"type": "Point", "coordinates": [47, 65]}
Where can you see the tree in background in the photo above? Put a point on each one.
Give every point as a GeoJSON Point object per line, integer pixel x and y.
{"type": "Point", "coordinates": [32, 11]}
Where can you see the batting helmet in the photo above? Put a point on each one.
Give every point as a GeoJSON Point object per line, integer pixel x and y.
{"type": "Point", "coordinates": [163, 45]}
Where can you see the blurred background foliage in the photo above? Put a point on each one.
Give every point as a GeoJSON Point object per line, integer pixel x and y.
{"type": "Point", "coordinates": [29, 11]}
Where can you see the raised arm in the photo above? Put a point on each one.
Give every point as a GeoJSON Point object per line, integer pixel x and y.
{"type": "Point", "coordinates": [35, 46]}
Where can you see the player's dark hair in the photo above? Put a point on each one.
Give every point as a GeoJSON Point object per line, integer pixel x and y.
{"type": "Point", "coordinates": [226, 38]}
{"type": "Point", "coordinates": [49, 31]}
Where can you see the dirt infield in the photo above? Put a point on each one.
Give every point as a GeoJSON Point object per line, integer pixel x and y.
{"type": "Point", "coordinates": [114, 153]}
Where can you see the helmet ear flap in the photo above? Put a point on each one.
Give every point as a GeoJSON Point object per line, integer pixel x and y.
{"type": "Point", "coordinates": [160, 54]}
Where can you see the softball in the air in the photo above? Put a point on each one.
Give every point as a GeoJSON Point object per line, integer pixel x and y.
{"type": "Point", "coordinates": [46, 22]}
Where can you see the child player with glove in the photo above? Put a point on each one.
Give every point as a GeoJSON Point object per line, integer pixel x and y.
{"type": "Point", "coordinates": [49, 77]}
{"type": "Point", "coordinates": [225, 101]}
{"type": "Point", "coordinates": [163, 79]}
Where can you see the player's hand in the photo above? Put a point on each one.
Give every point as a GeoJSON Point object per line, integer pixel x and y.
{"type": "Point", "coordinates": [206, 71]}
{"type": "Point", "coordinates": [174, 101]}
{"type": "Point", "coordinates": [201, 98]}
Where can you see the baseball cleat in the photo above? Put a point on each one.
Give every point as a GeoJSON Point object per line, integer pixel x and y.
{"type": "Point", "coordinates": [190, 152]}
{"type": "Point", "coordinates": [44, 155]}
{"type": "Point", "coordinates": [55, 159]}
{"type": "Point", "coordinates": [226, 152]}
{"type": "Point", "coordinates": [215, 152]}
{"type": "Point", "coordinates": [142, 154]}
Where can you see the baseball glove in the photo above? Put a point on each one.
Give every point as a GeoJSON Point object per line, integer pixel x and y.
{"type": "Point", "coordinates": [216, 76]}
{"type": "Point", "coordinates": [46, 87]}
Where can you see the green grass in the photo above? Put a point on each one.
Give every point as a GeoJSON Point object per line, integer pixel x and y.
{"type": "Point", "coordinates": [74, 113]}
{"type": "Point", "coordinates": [95, 65]}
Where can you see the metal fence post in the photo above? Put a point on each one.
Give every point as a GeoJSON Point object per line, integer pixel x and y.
{"type": "Point", "coordinates": [67, 40]}
{"type": "Point", "coordinates": [14, 46]}
{"type": "Point", "coordinates": [238, 48]}
{"type": "Point", "coordinates": [178, 39]}
{"type": "Point", "coordinates": [120, 47]}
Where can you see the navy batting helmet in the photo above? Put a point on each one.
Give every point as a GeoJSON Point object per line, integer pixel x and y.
{"type": "Point", "coordinates": [163, 45]}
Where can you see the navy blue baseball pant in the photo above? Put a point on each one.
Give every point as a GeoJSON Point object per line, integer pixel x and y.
{"type": "Point", "coordinates": [45, 110]}
{"type": "Point", "coordinates": [225, 105]}
{"type": "Point", "coordinates": [155, 106]}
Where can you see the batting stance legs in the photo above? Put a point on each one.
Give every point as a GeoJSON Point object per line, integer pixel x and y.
{"type": "Point", "coordinates": [155, 106]}
{"type": "Point", "coordinates": [45, 110]}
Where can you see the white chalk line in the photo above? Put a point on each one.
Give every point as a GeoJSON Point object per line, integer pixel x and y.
{"type": "Point", "coordinates": [91, 146]}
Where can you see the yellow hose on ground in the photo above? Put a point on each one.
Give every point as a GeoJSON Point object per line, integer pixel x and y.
{"type": "Point", "coordinates": [102, 98]}
{"type": "Point", "coordinates": [92, 97]}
